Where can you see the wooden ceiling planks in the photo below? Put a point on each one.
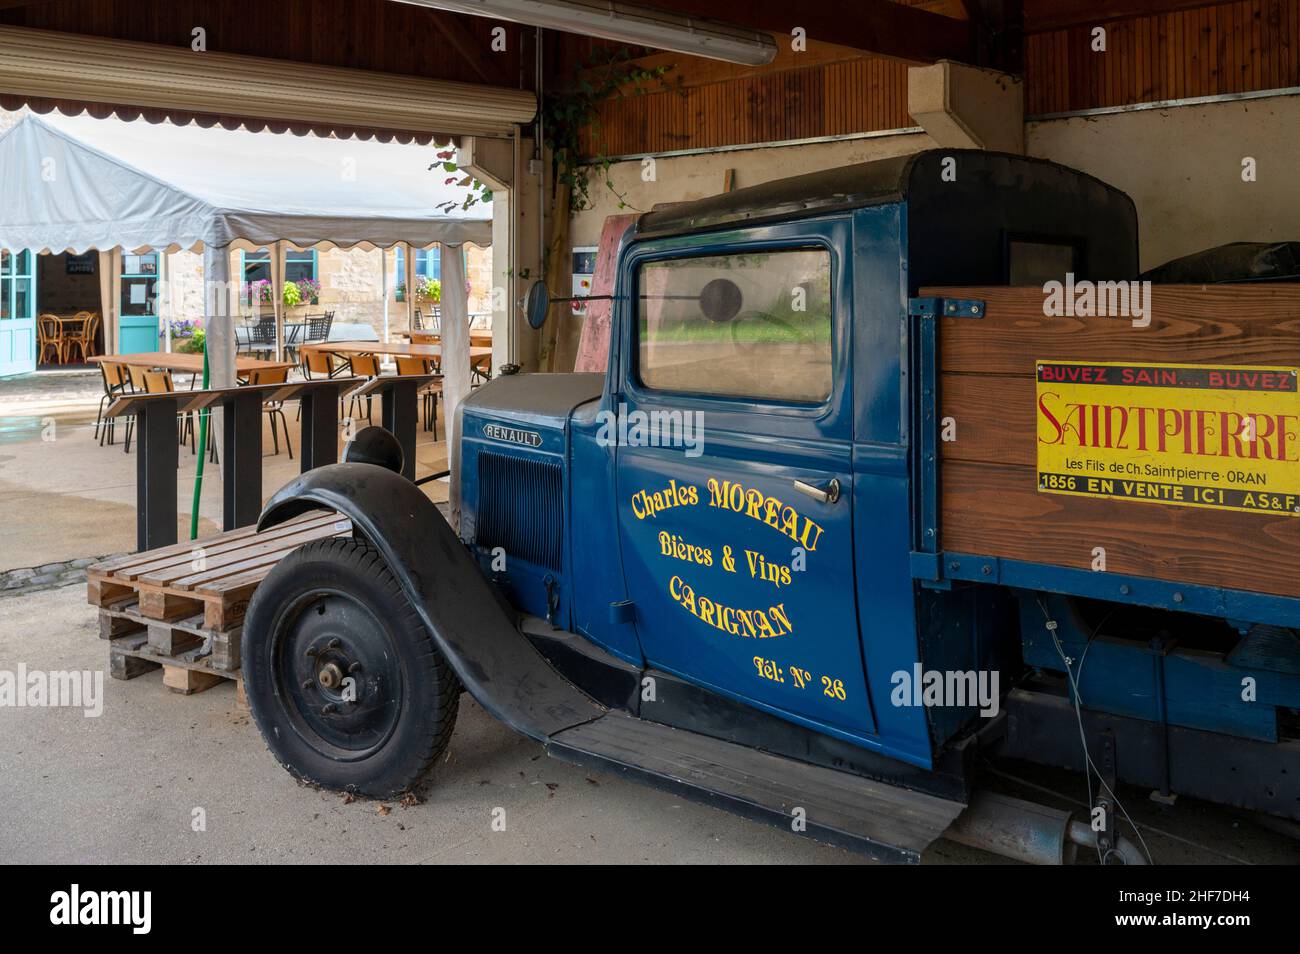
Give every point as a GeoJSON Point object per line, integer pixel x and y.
{"type": "Point", "coordinates": [1209, 50]}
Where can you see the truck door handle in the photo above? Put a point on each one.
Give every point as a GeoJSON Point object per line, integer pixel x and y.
{"type": "Point", "coordinates": [828, 494]}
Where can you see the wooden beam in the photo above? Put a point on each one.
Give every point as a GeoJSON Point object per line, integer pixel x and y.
{"type": "Point", "coordinates": [875, 26]}
{"type": "Point", "coordinates": [1042, 16]}
{"type": "Point", "coordinates": [477, 54]}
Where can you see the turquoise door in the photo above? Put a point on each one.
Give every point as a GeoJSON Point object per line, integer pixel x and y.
{"type": "Point", "coordinates": [17, 313]}
{"type": "Point", "coordinates": [137, 324]}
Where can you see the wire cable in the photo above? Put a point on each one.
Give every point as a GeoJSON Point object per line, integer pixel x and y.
{"type": "Point", "coordinates": [1090, 766]}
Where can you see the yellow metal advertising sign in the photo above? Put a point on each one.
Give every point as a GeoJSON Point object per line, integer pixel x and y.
{"type": "Point", "coordinates": [1179, 434]}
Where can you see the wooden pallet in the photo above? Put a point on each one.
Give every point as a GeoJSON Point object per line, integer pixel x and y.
{"type": "Point", "coordinates": [182, 607]}
{"type": "Point", "coordinates": [172, 637]}
{"type": "Point", "coordinates": [186, 673]}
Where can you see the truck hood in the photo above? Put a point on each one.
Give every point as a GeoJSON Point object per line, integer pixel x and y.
{"type": "Point", "coordinates": [544, 400]}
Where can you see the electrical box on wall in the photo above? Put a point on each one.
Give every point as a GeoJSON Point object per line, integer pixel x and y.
{"type": "Point", "coordinates": [584, 267]}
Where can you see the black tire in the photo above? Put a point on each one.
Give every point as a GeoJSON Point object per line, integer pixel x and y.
{"type": "Point", "coordinates": [330, 609]}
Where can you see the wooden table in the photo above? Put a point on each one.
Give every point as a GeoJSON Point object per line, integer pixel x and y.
{"type": "Point", "coordinates": [379, 347]}
{"type": "Point", "coordinates": [475, 337]}
{"type": "Point", "coordinates": [185, 363]}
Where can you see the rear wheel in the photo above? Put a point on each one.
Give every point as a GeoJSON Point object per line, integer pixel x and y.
{"type": "Point", "coordinates": [343, 679]}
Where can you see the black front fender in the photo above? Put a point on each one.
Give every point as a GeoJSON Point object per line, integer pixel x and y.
{"type": "Point", "coordinates": [465, 614]}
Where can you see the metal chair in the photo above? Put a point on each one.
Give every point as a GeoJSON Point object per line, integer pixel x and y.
{"type": "Point", "coordinates": [261, 336]}
{"type": "Point", "coordinates": [316, 365]}
{"type": "Point", "coordinates": [292, 339]}
{"type": "Point", "coordinates": [362, 366]}
{"type": "Point", "coordinates": [428, 394]}
{"type": "Point", "coordinates": [160, 382]}
{"type": "Point", "coordinates": [116, 384]}
{"type": "Point", "coordinates": [318, 328]}
{"type": "Point", "coordinates": [274, 376]}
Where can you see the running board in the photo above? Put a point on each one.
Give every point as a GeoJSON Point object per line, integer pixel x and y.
{"type": "Point", "coordinates": [883, 821]}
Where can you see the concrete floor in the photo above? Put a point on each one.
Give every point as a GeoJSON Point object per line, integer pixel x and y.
{"type": "Point", "coordinates": [123, 787]}
{"type": "Point", "coordinates": [63, 496]}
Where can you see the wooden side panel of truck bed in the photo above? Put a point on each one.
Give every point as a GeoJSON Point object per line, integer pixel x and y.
{"type": "Point", "coordinates": [990, 475]}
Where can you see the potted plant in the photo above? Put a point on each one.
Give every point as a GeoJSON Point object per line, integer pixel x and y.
{"type": "Point", "coordinates": [187, 336]}
{"type": "Point", "coordinates": [309, 291]}
{"type": "Point", "coordinates": [428, 290]}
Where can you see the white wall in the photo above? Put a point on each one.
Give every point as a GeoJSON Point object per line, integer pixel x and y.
{"type": "Point", "coordinates": [1182, 165]}
{"type": "Point", "coordinates": [680, 178]}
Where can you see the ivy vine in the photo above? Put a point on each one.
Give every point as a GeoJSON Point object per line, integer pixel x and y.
{"type": "Point", "coordinates": [567, 115]}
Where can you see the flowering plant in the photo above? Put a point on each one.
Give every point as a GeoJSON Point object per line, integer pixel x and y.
{"type": "Point", "coordinates": [258, 291]}
{"type": "Point", "coordinates": [308, 291]}
{"type": "Point", "coordinates": [428, 289]}
{"type": "Point", "coordinates": [187, 335]}
{"type": "Point", "coordinates": [184, 328]}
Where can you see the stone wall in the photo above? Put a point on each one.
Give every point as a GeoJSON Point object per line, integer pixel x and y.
{"type": "Point", "coordinates": [351, 286]}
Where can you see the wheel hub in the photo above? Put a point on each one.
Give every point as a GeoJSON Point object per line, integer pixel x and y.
{"type": "Point", "coordinates": [340, 673]}
{"type": "Point", "coordinates": [330, 676]}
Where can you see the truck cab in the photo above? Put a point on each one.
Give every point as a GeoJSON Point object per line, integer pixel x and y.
{"type": "Point", "coordinates": [733, 502]}
{"type": "Point", "coordinates": [752, 562]}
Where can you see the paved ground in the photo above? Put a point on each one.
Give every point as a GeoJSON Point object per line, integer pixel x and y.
{"type": "Point", "coordinates": [123, 787]}
{"type": "Point", "coordinates": [63, 496]}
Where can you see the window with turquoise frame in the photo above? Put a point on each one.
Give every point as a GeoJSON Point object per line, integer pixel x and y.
{"type": "Point", "coordinates": [17, 312]}
{"type": "Point", "coordinates": [299, 266]}
{"type": "Point", "coordinates": [139, 285]}
{"type": "Point", "coordinates": [17, 285]}
{"type": "Point", "coordinates": [428, 264]}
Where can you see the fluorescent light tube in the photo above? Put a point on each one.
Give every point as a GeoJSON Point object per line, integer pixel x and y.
{"type": "Point", "coordinates": [625, 23]}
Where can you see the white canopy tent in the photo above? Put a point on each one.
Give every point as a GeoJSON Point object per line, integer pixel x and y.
{"type": "Point", "coordinates": [75, 183]}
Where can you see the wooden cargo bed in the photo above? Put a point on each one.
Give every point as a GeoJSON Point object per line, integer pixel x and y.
{"type": "Point", "coordinates": [1221, 533]}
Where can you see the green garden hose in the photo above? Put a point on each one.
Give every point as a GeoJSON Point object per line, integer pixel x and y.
{"type": "Point", "coordinates": [203, 452]}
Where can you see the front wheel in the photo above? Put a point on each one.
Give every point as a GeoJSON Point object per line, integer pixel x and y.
{"type": "Point", "coordinates": [343, 679]}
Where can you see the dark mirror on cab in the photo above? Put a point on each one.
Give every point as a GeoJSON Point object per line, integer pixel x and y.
{"type": "Point", "coordinates": [537, 304]}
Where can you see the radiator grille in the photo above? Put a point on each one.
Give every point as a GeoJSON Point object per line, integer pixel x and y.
{"type": "Point", "coordinates": [521, 508]}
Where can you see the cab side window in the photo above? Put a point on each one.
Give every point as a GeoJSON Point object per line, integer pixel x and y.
{"type": "Point", "coordinates": [752, 325]}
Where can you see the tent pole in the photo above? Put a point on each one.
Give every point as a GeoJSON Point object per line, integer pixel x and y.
{"type": "Point", "coordinates": [106, 301]}
{"type": "Point", "coordinates": [164, 299]}
{"type": "Point", "coordinates": [455, 363]}
{"type": "Point", "coordinates": [410, 285]}
{"type": "Point", "coordinates": [277, 297]}
{"type": "Point", "coordinates": [383, 287]}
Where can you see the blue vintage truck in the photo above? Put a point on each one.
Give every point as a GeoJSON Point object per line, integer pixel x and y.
{"type": "Point", "coordinates": [807, 550]}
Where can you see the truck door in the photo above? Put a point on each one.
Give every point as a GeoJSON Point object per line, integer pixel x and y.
{"type": "Point", "coordinates": [734, 467]}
